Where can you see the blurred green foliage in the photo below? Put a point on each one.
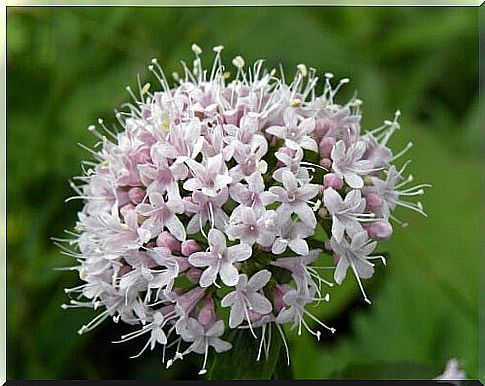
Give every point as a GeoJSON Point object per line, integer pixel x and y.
{"type": "Point", "coordinates": [69, 66]}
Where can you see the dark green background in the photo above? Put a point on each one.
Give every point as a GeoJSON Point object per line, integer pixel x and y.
{"type": "Point", "coordinates": [69, 66]}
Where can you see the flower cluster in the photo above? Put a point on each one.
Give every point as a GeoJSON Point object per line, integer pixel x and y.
{"type": "Point", "coordinates": [231, 194]}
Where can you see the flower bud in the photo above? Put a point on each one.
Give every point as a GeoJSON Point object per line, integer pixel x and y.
{"type": "Point", "coordinates": [326, 163]}
{"type": "Point", "coordinates": [265, 249]}
{"type": "Point", "coordinates": [279, 291]}
{"type": "Point", "coordinates": [321, 128]}
{"type": "Point", "coordinates": [326, 146]}
{"type": "Point", "coordinates": [207, 313]}
{"type": "Point", "coordinates": [143, 156]}
{"type": "Point", "coordinates": [136, 195]}
{"type": "Point", "coordinates": [124, 270]}
{"type": "Point", "coordinates": [374, 202]}
{"type": "Point", "coordinates": [332, 180]}
{"type": "Point", "coordinates": [193, 274]}
{"type": "Point", "coordinates": [189, 247]}
{"type": "Point", "coordinates": [165, 239]}
{"type": "Point", "coordinates": [379, 230]}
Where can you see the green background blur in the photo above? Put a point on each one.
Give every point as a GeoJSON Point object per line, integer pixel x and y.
{"type": "Point", "coordinates": [69, 66]}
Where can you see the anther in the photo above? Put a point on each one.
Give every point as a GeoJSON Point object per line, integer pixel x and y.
{"type": "Point", "coordinates": [238, 62]}
{"type": "Point", "coordinates": [196, 49]}
{"type": "Point", "coordinates": [303, 70]}
{"type": "Point", "coordinates": [145, 88]}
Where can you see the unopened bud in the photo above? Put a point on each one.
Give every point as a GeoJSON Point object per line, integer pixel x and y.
{"type": "Point", "coordinates": [326, 163]}
{"type": "Point", "coordinates": [332, 180]}
{"type": "Point", "coordinates": [136, 195]}
{"type": "Point", "coordinates": [326, 146]}
{"type": "Point", "coordinates": [189, 247]}
{"type": "Point", "coordinates": [207, 313]}
{"type": "Point", "coordinates": [193, 274]}
{"type": "Point", "coordinates": [279, 291]}
{"type": "Point", "coordinates": [374, 202]}
{"type": "Point", "coordinates": [379, 230]}
{"type": "Point", "coordinates": [166, 239]}
{"type": "Point", "coordinates": [143, 157]}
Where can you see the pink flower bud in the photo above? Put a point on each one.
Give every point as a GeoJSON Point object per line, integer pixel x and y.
{"type": "Point", "coordinates": [165, 239]}
{"type": "Point", "coordinates": [136, 195]}
{"type": "Point", "coordinates": [374, 202]}
{"type": "Point", "coordinates": [332, 180]}
{"type": "Point", "coordinates": [143, 156]}
{"type": "Point", "coordinates": [326, 146]}
{"type": "Point", "coordinates": [265, 249]}
{"type": "Point", "coordinates": [207, 313]}
{"type": "Point", "coordinates": [193, 274]}
{"type": "Point", "coordinates": [326, 163]}
{"type": "Point", "coordinates": [336, 259]}
{"type": "Point", "coordinates": [122, 197]}
{"type": "Point", "coordinates": [321, 128]}
{"type": "Point", "coordinates": [279, 291]}
{"type": "Point", "coordinates": [124, 270]}
{"type": "Point", "coordinates": [379, 230]}
{"type": "Point", "coordinates": [189, 247]}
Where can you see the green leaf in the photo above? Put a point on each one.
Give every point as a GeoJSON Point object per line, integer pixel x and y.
{"type": "Point", "coordinates": [240, 362]}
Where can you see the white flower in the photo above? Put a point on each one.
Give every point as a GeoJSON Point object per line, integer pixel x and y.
{"type": "Point", "coordinates": [248, 158]}
{"type": "Point", "coordinates": [161, 214]}
{"type": "Point", "coordinates": [220, 260]}
{"type": "Point", "coordinates": [356, 256]}
{"type": "Point", "coordinates": [246, 297]}
{"type": "Point", "coordinates": [295, 133]}
{"type": "Point", "coordinates": [292, 165]}
{"type": "Point", "coordinates": [294, 198]}
{"type": "Point", "coordinates": [252, 194]}
{"type": "Point", "coordinates": [209, 178]}
{"type": "Point", "coordinates": [251, 226]}
{"type": "Point", "coordinates": [202, 339]}
{"type": "Point", "coordinates": [206, 170]}
{"type": "Point", "coordinates": [390, 191]}
{"type": "Point", "coordinates": [291, 234]}
{"type": "Point", "coordinates": [347, 213]}
{"type": "Point", "coordinates": [294, 311]}
{"type": "Point", "coordinates": [301, 271]}
{"type": "Point", "coordinates": [155, 328]}
{"type": "Point", "coordinates": [348, 163]}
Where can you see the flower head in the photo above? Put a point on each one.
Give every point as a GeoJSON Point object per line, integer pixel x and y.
{"type": "Point", "coordinates": [207, 200]}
